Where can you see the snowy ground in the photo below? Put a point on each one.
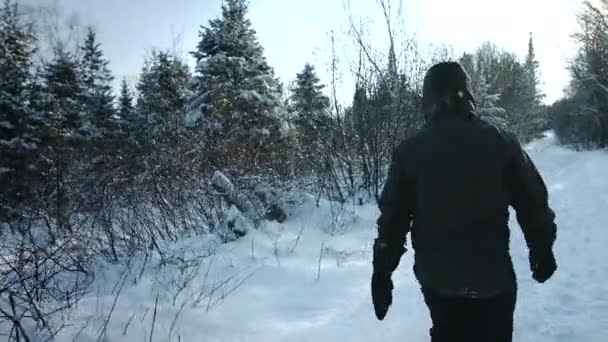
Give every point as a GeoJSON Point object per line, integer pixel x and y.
{"type": "Point", "coordinates": [280, 295]}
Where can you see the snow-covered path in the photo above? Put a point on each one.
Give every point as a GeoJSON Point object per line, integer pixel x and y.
{"type": "Point", "coordinates": [285, 301]}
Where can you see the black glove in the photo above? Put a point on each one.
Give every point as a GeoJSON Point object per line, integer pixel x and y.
{"type": "Point", "coordinates": [382, 293]}
{"type": "Point", "coordinates": [543, 265]}
{"type": "Point", "coordinates": [386, 260]}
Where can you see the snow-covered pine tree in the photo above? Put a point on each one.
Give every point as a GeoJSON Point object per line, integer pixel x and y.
{"type": "Point", "coordinates": [487, 104]}
{"type": "Point", "coordinates": [63, 86]}
{"type": "Point", "coordinates": [535, 113]}
{"type": "Point", "coordinates": [531, 67]}
{"type": "Point", "coordinates": [308, 103]}
{"type": "Point", "coordinates": [585, 120]}
{"type": "Point", "coordinates": [125, 101]}
{"type": "Point", "coordinates": [309, 108]}
{"type": "Point", "coordinates": [65, 132]}
{"type": "Point", "coordinates": [518, 85]}
{"type": "Point", "coordinates": [487, 101]}
{"type": "Point", "coordinates": [97, 80]}
{"type": "Point", "coordinates": [18, 143]}
{"type": "Point", "coordinates": [237, 98]}
{"type": "Point", "coordinates": [16, 51]}
{"type": "Point", "coordinates": [307, 98]}
{"type": "Point", "coordinates": [163, 90]}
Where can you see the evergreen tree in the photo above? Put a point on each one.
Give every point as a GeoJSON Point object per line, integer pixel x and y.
{"type": "Point", "coordinates": [238, 104]}
{"type": "Point", "coordinates": [235, 85]}
{"type": "Point", "coordinates": [507, 88]}
{"type": "Point", "coordinates": [18, 142]}
{"type": "Point", "coordinates": [588, 124]}
{"type": "Point", "coordinates": [527, 117]}
{"type": "Point", "coordinates": [531, 67]}
{"type": "Point", "coordinates": [487, 105]}
{"type": "Point", "coordinates": [16, 52]}
{"type": "Point", "coordinates": [163, 90]}
{"type": "Point", "coordinates": [63, 87]}
{"type": "Point", "coordinates": [487, 101]}
{"type": "Point", "coordinates": [97, 83]}
{"type": "Point", "coordinates": [65, 132]}
{"type": "Point", "coordinates": [307, 99]}
{"type": "Point", "coordinates": [310, 108]}
{"type": "Point", "coordinates": [125, 101]}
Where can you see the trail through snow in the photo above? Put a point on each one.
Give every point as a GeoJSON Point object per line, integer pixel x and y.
{"type": "Point", "coordinates": [287, 299]}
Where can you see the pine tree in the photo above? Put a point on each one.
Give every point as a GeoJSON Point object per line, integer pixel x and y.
{"type": "Point", "coordinates": [531, 67]}
{"type": "Point", "coordinates": [527, 118]}
{"type": "Point", "coordinates": [16, 52]}
{"type": "Point", "coordinates": [65, 132]}
{"type": "Point", "coordinates": [588, 125]}
{"type": "Point", "coordinates": [487, 101]}
{"type": "Point", "coordinates": [234, 82]}
{"type": "Point", "coordinates": [237, 104]}
{"type": "Point", "coordinates": [97, 83]}
{"type": "Point", "coordinates": [507, 88]}
{"type": "Point", "coordinates": [63, 86]}
{"type": "Point", "coordinates": [310, 106]}
{"type": "Point", "coordinates": [18, 143]}
{"type": "Point", "coordinates": [125, 101]}
{"type": "Point", "coordinates": [307, 98]}
{"type": "Point", "coordinates": [487, 104]}
{"type": "Point", "coordinates": [163, 90]}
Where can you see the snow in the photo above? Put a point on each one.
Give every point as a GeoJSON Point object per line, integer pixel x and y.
{"type": "Point", "coordinates": [222, 182]}
{"type": "Point", "coordinates": [17, 143]}
{"type": "Point", "coordinates": [6, 125]}
{"type": "Point", "coordinates": [193, 110]}
{"type": "Point", "coordinates": [237, 223]}
{"type": "Point", "coordinates": [285, 129]}
{"type": "Point", "coordinates": [296, 282]}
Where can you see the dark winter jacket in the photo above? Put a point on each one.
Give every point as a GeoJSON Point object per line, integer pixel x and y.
{"type": "Point", "coordinates": [451, 186]}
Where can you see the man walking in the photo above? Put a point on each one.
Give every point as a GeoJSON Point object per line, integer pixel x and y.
{"type": "Point", "coordinates": [450, 186]}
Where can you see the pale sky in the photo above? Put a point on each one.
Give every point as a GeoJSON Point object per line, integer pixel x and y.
{"type": "Point", "coordinates": [294, 32]}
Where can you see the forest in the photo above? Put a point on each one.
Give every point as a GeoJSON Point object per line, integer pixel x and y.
{"type": "Point", "coordinates": [89, 173]}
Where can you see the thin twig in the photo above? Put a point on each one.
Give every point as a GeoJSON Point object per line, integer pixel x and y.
{"type": "Point", "coordinates": [107, 320]}
{"type": "Point", "coordinates": [179, 312]}
{"type": "Point", "coordinates": [293, 248]}
{"type": "Point", "coordinates": [126, 328]}
{"type": "Point", "coordinates": [153, 318]}
{"type": "Point", "coordinates": [320, 258]}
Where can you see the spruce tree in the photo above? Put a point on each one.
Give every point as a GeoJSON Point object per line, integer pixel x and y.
{"type": "Point", "coordinates": [528, 118]}
{"type": "Point", "coordinates": [589, 80]}
{"type": "Point", "coordinates": [125, 101]}
{"type": "Point", "coordinates": [65, 132]}
{"type": "Point", "coordinates": [63, 87]}
{"type": "Point", "coordinates": [17, 46]}
{"type": "Point", "coordinates": [507, 88]}
{"type": "Point", "coordinates": [310, 109]}
{"type": "Point", "coordinates": [237, 104]}
{"type": "Point", "coordinates": [307, 99]}
{"type": "Point", "coordinates": [234, 83]}
{"type": "Point", "coordinates": [487, 101]}
{"type": "Point", "coordinates": [18, 141]}
{"type": "Point", "coordinates": [163, 90]}
{"type": "Point", "coordinates": [487, 104]}
{"type": "Point", "coordinates": [97, 83]}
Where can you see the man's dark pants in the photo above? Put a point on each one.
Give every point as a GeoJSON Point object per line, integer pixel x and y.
{"type": "Point", "coordinates": [470, 320]}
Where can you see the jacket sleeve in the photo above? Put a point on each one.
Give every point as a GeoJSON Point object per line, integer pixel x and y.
{"type": "Point", "coordinates": [396, 215]}
{"type": "Point", "coordinates": [530, 200]}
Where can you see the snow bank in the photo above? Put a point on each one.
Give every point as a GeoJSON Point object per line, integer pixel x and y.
{"type": "Point", "coordinates": [295, 282]}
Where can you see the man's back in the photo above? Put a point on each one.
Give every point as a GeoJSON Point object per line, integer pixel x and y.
{"type": "Point", "coordinates": [451, 186]}
{"type": "Point", "coordinates": [456, 169]}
